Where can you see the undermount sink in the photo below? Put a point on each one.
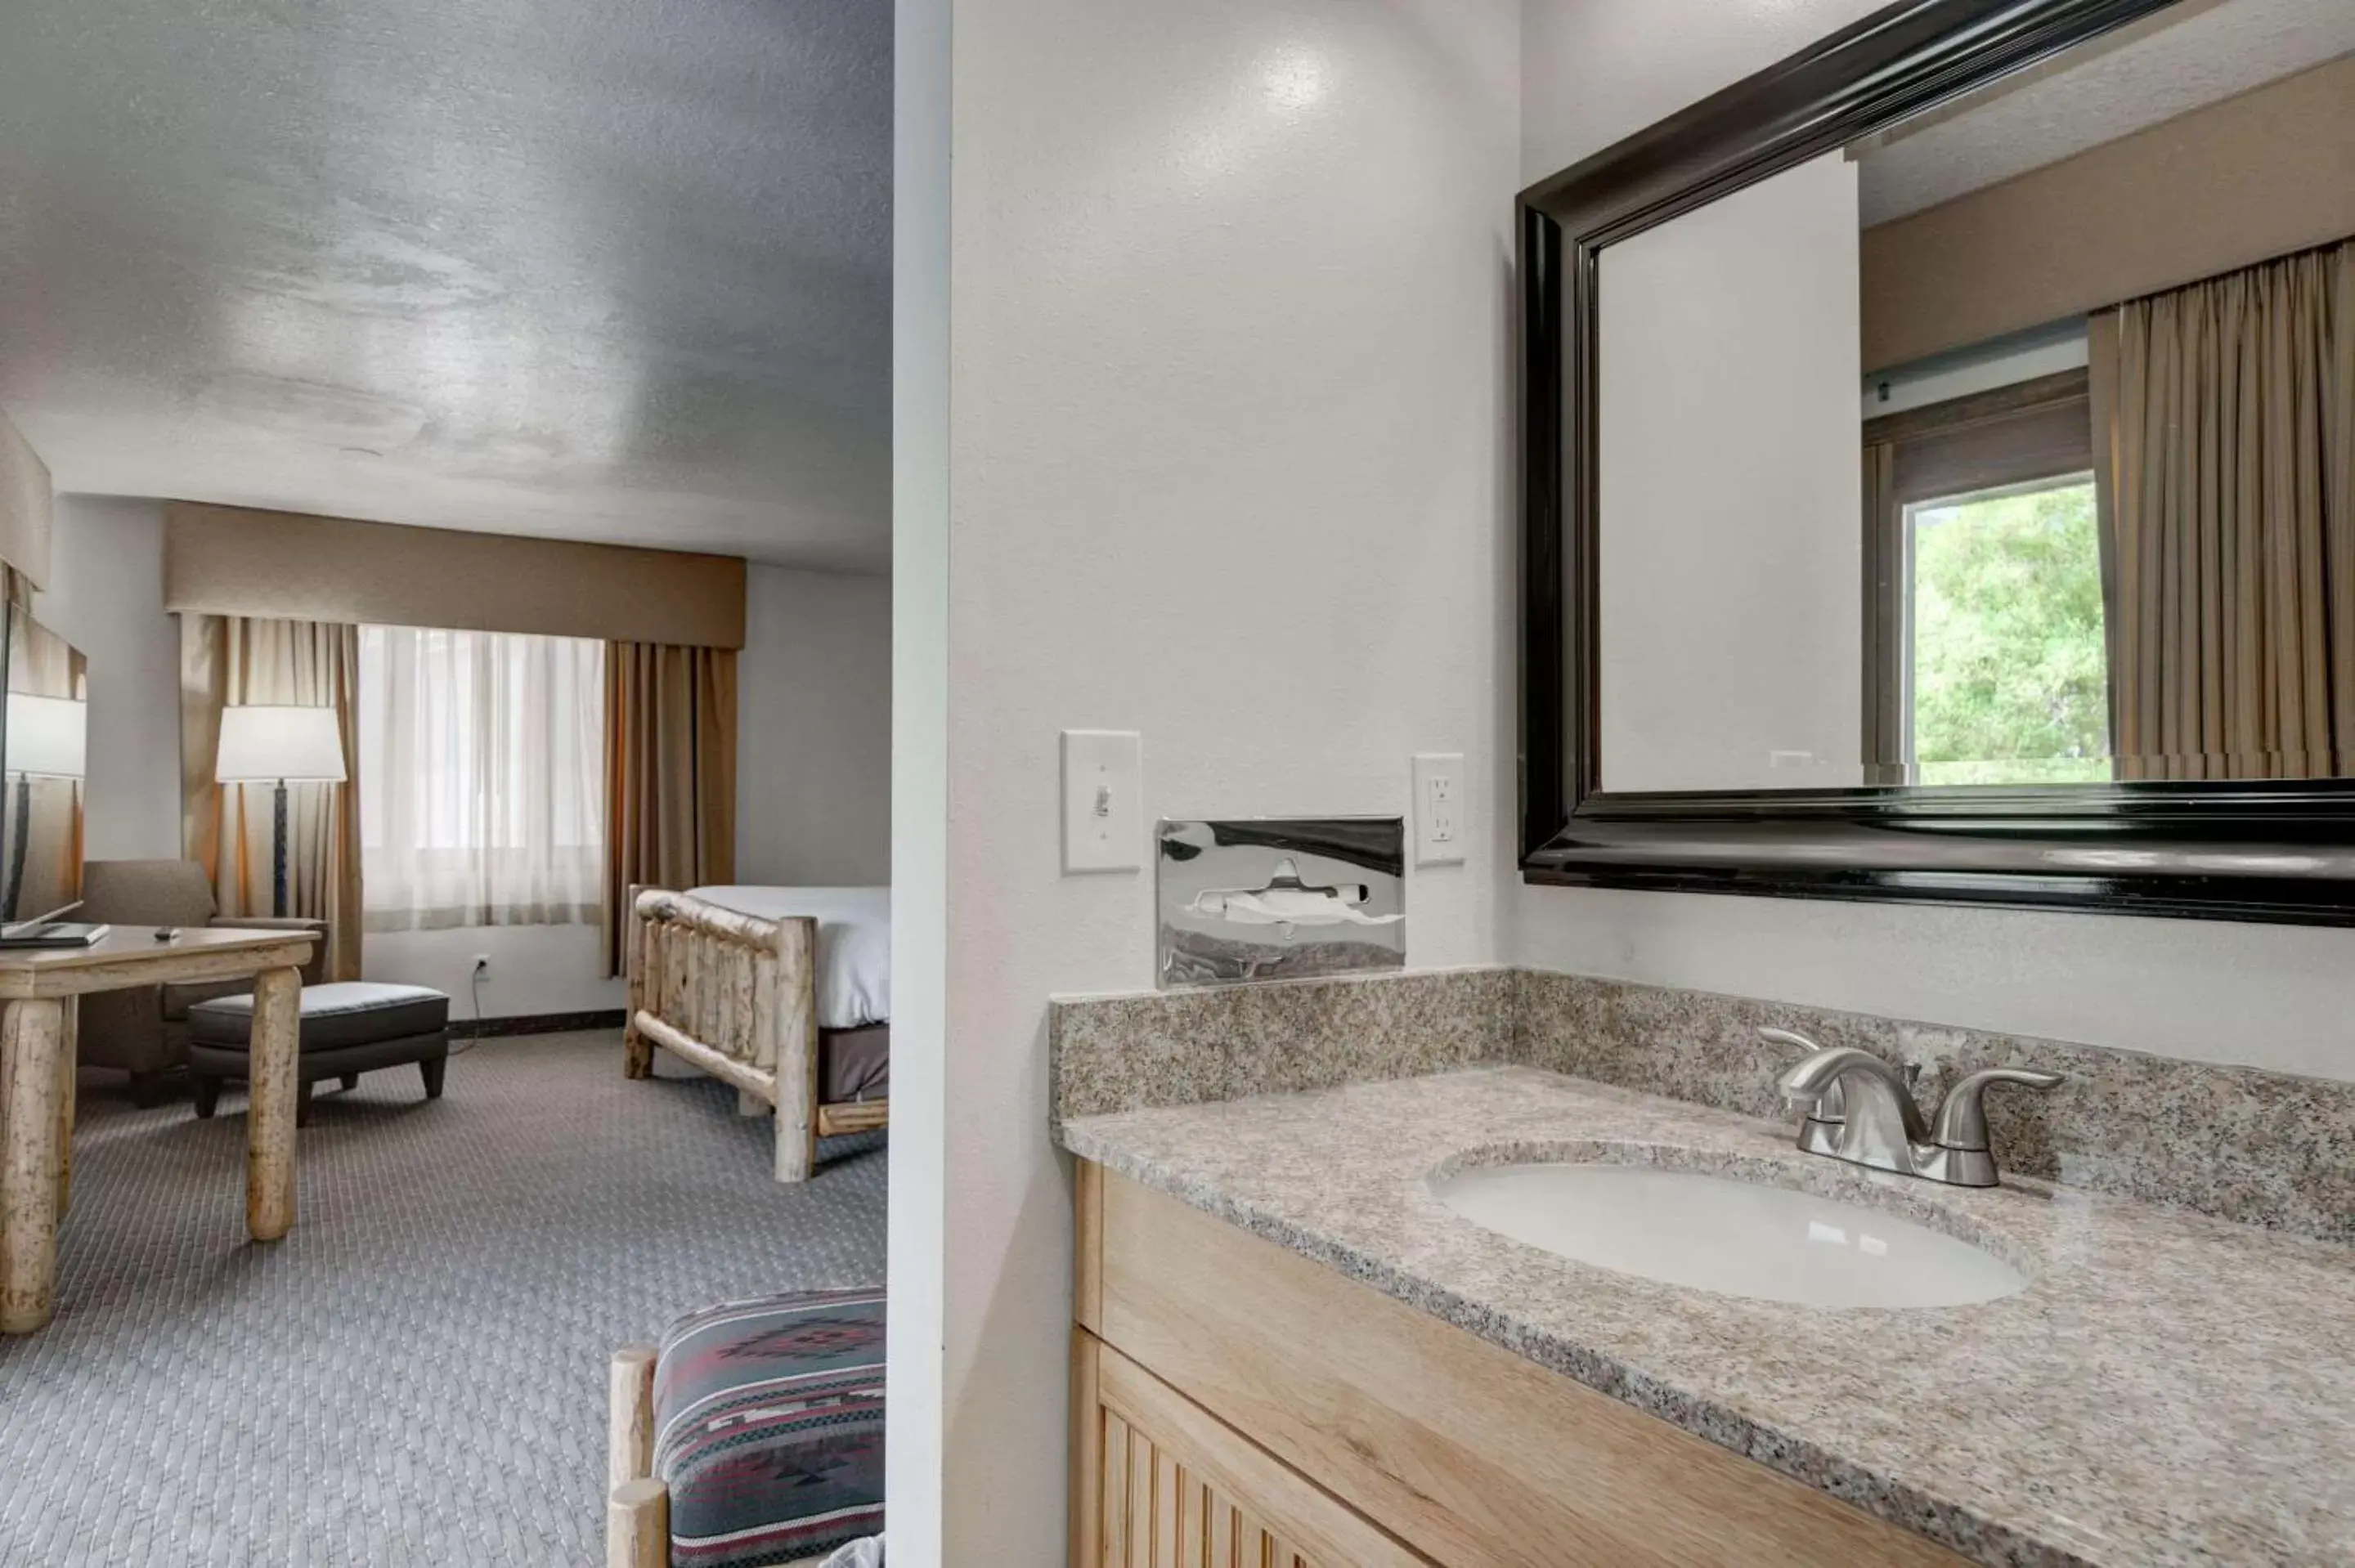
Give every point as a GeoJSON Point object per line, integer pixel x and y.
{"type": "Point", "coordinates": [1737, 1238]}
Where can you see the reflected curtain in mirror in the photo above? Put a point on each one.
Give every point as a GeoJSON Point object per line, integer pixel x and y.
{"type": "Point", "coordinates": [227, 828]}
{"type": "Point", "coordinates": [671, 773]}
{"type": "Point", "coordinates": [2225, 415]}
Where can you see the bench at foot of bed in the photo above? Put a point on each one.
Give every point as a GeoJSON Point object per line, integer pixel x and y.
{"type": "Point", "coordinates": [752, 1434]}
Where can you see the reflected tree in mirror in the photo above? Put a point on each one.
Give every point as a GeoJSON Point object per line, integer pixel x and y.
{"type": "Point", "coordinates": [2009, 678]}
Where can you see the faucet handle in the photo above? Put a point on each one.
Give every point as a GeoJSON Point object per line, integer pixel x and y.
{"type": "Point", "coordinates": [1961, 1118]}
{"type": "Point", "coordinates": [1832, 1105]}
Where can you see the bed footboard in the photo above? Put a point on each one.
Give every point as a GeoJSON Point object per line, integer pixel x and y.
{"type": "Point", "coordinates": [734, 995]}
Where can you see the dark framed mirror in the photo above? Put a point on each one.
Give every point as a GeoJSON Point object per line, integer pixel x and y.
{"type": "Point", "coordinates": [1939, 471]}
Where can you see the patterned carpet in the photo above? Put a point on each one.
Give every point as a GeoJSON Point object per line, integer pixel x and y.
{"type": "Point", "coordinates": [416, 1375]}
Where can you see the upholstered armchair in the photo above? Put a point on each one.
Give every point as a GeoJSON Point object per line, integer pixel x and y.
{"type": "Point", "coordinates": [144, 1032]}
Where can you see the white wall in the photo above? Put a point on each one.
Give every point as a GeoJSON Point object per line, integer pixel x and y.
{"type": "Point", "coordinates": [1595, 70]}
{"type": "Point", "coordinates": [916, 1360]}
{"type": "Point", "coordinates": [2270, 996]}
{"type": "Point", "coordinates": [1731, 617]}
{"type": "Point", "coordinates": [106, 598]}
{"type": "Point", "coordinates": [2261, 996]}
{"type": "Point", "coordinates": [1227, 463]}
{"type": "Point", "coordinates": [813, 729]}
{"type": "Point", "coordinates": [534, 969]}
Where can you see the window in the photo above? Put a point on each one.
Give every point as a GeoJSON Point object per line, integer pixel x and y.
{"type": "Point", "coordinates": [482, 778]}
{"type": "Point", "coordinates": [2006, 677]}
{"type": "Point", "coordinates": [1986, 659]}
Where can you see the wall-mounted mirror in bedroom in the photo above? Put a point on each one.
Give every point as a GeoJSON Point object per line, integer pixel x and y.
{"type": "Point", "coordinates": [1941, 468]}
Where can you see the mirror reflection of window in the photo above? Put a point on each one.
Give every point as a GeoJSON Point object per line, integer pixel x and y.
{"type": "Point", "coordinates": [1987, 658]}
{"type": "Point", "coordinates": [2007, 678]}
{"type": "Point", "coordinates": [2086, 329]}
{"type": "Point", "coordinates": [2166, 206]}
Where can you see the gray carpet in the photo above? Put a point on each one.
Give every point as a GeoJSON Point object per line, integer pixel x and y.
{"type": "Point", "coordinates": [416, 1374]}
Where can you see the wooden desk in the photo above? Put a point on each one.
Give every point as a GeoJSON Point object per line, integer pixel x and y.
{"type": "Point", "coordinates": [37, 987]}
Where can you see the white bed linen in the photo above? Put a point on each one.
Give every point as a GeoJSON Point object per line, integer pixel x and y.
{"type": "Point", "coordinates": [854, 943]}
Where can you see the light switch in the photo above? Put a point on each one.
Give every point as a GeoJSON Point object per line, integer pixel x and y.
{"type": "Point", "coordinates": [1439, 808]}
{"type": "Point", "coordinates": [1103, 801]}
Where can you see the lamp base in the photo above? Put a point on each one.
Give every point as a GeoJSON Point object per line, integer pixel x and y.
{"type": "Point", "coordinates": [278, 853]}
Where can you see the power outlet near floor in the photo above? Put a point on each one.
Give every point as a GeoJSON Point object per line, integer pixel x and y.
{"type": "Point", "coordinates": [1439, 808]}
{"type": "Point", "coordinates": [481, 966]}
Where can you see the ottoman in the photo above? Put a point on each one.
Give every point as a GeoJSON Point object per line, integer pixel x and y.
{"type": "Point", "coordinates": [348, 1027]}
{"type": "Point", "coordinates": [752, 1434]}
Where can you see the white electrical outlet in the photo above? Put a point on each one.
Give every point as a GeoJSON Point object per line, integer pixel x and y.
{"type": "Point", "coordinates": [1439, 808]}
{"type": "Point", "coordinates": [482, 963]}
{"type": "Point", "coordinates": [1103, 801]}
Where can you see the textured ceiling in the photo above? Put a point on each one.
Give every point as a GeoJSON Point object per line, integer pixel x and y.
{"type": "Point", "coordinates": [2200, 54]}
{"type": "Point", "coordinates": [613, 269]}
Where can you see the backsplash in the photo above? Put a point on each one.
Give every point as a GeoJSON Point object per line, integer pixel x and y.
{"type": "Point", "coordinates": [1182, 1048]}
{"type": "Point", "coordinates": [2262, 1148]}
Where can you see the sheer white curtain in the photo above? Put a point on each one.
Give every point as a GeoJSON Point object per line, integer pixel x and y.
{"type": "Point", "coordinates": [482, 778]}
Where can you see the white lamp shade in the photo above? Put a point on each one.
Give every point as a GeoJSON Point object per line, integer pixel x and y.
{"type": "Point", "coordinates": [264, 745]}
{"type": "Point", "coordinates": [48, 736]}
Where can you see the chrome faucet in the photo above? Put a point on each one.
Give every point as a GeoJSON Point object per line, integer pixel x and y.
{"type": "Point", "coordinates": [1861, 1110]}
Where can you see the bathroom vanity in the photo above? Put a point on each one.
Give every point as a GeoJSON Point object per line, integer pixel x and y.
{"type": "Point", "coordinates": [1235, 1403]}
{"type": "Point", "coordinates": [1290, 1350]}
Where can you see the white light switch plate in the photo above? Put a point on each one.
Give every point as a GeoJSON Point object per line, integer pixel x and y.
{"type": "Point", "coordinates": [1440, 809]}
{"type": "Point", "coordinates": [1103, 801]}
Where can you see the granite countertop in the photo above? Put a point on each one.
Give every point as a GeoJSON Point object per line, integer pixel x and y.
{"type": "Point", "coordinates": [2170, 1388]}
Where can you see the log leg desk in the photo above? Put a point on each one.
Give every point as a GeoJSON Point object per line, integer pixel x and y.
{"type": "Point", "coordinates": [37, 987]}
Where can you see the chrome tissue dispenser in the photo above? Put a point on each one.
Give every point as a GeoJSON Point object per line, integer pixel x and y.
{"type": "Point", "coordinates": [1279, 898]}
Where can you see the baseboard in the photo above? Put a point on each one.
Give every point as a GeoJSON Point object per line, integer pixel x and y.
{"type": "Point", "coordinates": [539, 1023]}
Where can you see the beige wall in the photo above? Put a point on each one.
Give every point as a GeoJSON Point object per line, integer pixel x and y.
{"type": "Point", "coordinates": [813, 730]}
{"type": "Point", "coordinates": [2255, 176]}
{"type": "Point", "coordinates": [104, 597]}
{"type": "Point", "coordinates": [24, 505]}
{"type": "Point", "coordinates": [284, 566]}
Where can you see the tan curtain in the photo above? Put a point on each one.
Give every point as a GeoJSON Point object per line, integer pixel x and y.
{"type": "Point", "coordinates": [2227, 470]}
{"type": "Point", "coordinates": [229, 659]}
{"type": "Point", "coordinates": [671, 773]}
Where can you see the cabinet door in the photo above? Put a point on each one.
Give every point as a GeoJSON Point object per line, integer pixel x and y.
{"type": "Point", "coordinates": [1160, 1483]}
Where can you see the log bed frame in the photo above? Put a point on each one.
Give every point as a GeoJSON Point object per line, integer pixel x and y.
{"type": "Point", "coordinates": [735, 995]}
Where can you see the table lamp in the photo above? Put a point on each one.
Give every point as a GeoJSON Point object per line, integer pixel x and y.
{"type": "Point", "coordinates": [273, 745]}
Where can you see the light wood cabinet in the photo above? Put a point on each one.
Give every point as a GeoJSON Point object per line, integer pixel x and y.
{"type": "Point", "coordinates": [1166, 1484]}
{"type": "Point", "coordinates": [1219, 1380]}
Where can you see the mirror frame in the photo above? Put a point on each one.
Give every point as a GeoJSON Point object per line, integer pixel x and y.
{"type": "Point", "coordinates": [2276, 850]}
